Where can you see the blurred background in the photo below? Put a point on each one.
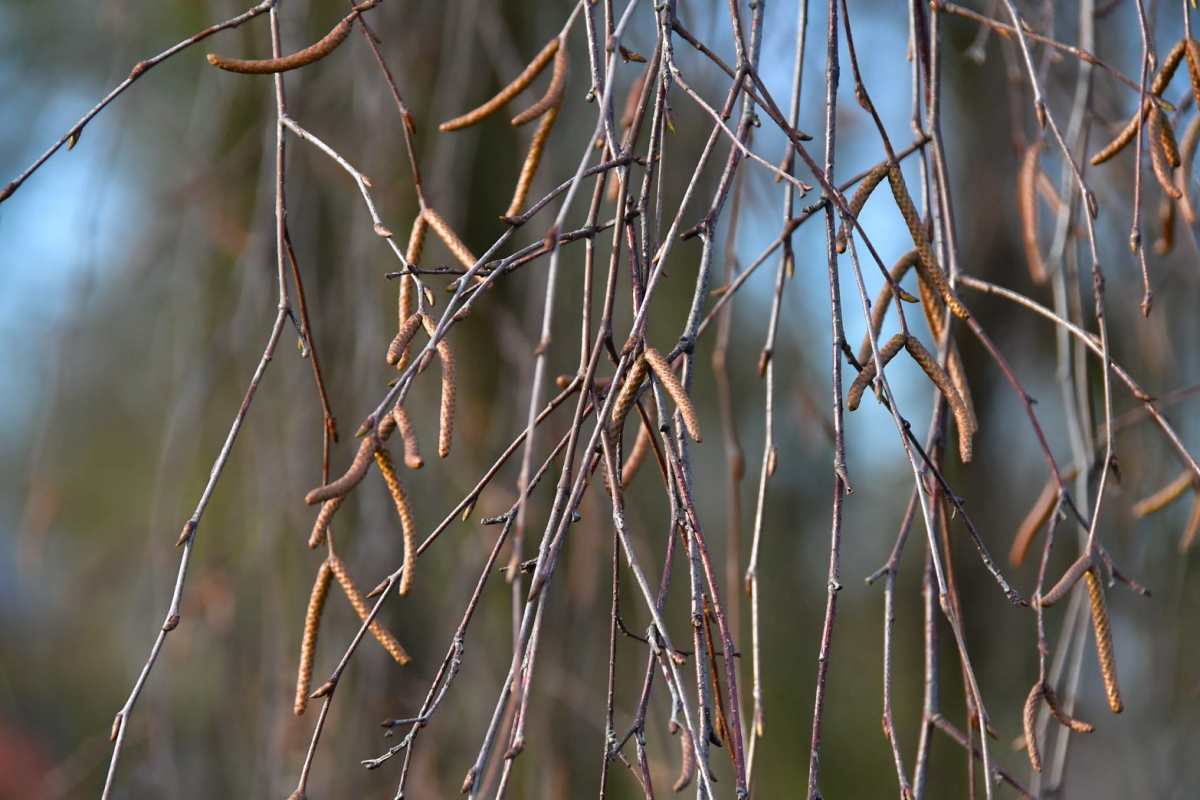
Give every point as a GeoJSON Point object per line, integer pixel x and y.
{"type": "Point", "coordinates": [137, 292]}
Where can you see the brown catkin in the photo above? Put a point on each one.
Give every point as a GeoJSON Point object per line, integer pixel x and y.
{"type": "Point", "coordinates": [1157, 87]}
{"type": "Point", "coordinates": [449, 390]}
{"type": "Point", "coordinates": [931, 270]}
{"type": "Point", "coordinates": [1187, 152]}
{"type": "Point", "coordinates": [1104, 643]}
{"type": "Point", "coordinates": [1067, 582]}
{"type": "Point", "coordinates": [1027, 205]}
{"type": "Point", "coordinates": [447, 235]}
{"type": "Point", "coordinates": [958, 376]}
{"type": "Point", "coordinates": [353, 476]}
{"type": "Point", "coordinates": [1169, 65]}
{"type": "Point", "coordinates": [637, 454]}
{"type": "Point", "coordinates": [522, 81]}
{"type": "Point", "coordinates": [1029, 721]}
{"type": "Point", "coordinates": [1167, 138]}
{"type": "Point", "coordinates": [554, 93]}
{"type": "Point", "coordinates": [1164, 496]}
{"type": "Point", "coordinates": [1166, 217]}
{"type": "Point", "coordinates": [534, 158]}
{"type": "Point", "coordinates": [412, 450]}
{"type": "Point", "coordinates": [416, 245]}
{"type": "Point", "coordinates": [301, 58]}
{"type": "Point", "coordinates": [360, 605]}
{"type": "Point", "coordinates": [958, 407]}
{"type": "Point", "coordinates": [629, 389]}
{"type": "Point", "coordinates": [1192, 50]}
{"type": "Point", "coordinates": [687, 763]}
{"type": "Point", "coordinates": [1079, 726]}
{"type": "Point", "coordinates": [308, 645]}
{"type": "Point", "coordinates": [884, 301]}
{"type": "Point", "coordinates": [858, 200]}
{"type": "Point", "coordinates": [682, 402]}
{"type": "Point", "coordinates": [408, 525]}
{"type": "Point", "coordinates": [397, 351]}
{"type": "Point", "coordinates": [871, 369]}
{"type": "Point", "coordinates": [1159, 161]}
{"type": "Point", "coordinates": [321, 527]}
{"type": "Point", "coordinates": [1042, 508]}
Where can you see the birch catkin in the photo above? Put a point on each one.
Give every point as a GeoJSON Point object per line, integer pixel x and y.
{"type": "Point", "coordinates": [1104, 643]}
{"type": "Point", "coordinates": [534, 158]}
{"type": "Point", "coordinates": [407, 525]}
{"type": "Point", "coordinates": [360, 605]}
{"type": "Point", "coordinates": [962, 419]}
{"type": "Point", "coordinates": [308, 646]}
{"type": "Point", "coordinates": [932, 271]}
{"type": "Point", "coordinates": [554, 94]}
{"type": "Point", "coordinates": [1027, 205]}
{"type": "Point", "coordinates": [412, 451]}
{"type": "Point", "coordinates": [321, 527]}
{"type": "Point", "coordinates": [509, 92]}
{"type": "Point", "coordinates": [397, 351]}
{"type": "Point", "coordinates": [449, 389]}
{"type": "Point", "coordinates": [871, 369]}
{"type": "Point", "coordinates": [1029, 720]}
{"type": "Point", "coordinates": [301, 58]}
{"type": "Point", "coordinates": [447, 235]}
{"type": "Point", "coordinates": [629, 389]}
{"type": "Point", "coordinates": [663, 370]}
{"type": "Point", "coordinates": [353, 476]}
{"type": "Point", "coordinates": [857, 201]}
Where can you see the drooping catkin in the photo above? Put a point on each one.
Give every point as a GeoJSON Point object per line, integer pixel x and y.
{"type": "Point", "coordinates": [637, 454]}
{"type": "Point", "coordinates": [447, 235]}
{"type": "Point", "coordinates": [308, 645]}
{"type": "Point", "coordinates": [1079, 726]}
{"type": "Point", "coordinates": [1159, 162]}
{"type": "Point", "coordinates": [324, 517]}
{"type": "Point", "coordinates": [1104, 643]}
{"type": "Point", "coordinates": [1038, 515]}
{"type": "Point", "coordinates": [404, 509]}
{"type": "Point", "coordinates": [962, 419]}
{"type": "Point", "coordinates": [687, 763]}
{"type": "Point", "coordinates": [931, 270]}
{"type": "Point", "coordinates": [1027, 205]}
{"type": "Point", "coordinates": [1192, 51]}
{"type": "Point", "coordinates": [884, 301]}
{"type": "Point", "coordinates": [533, 159]}
{"type": "Point", "coordinates": [449, 389]}
{"type": "Point", "coordinates": [1166, 217]}
{"type": "Point", "coordinates": [354, 475]}
{"type": "Point", "coordinates": [625, 398]}
{"type": "Point", "coordinates": [1167, 138]}
{"type": "Point", "coordinates": [958, 377]}
{"type": "Point", "coordinates": [360, 606]}
{"type": "Point", "coordinates": [1167, 71]}
{"type": "Point", "coordinates": [684, 403]}
{"type": "Point", "coordinates": [398, 350]}
{"type": "Point", "coordinates": [554, 93]}
{"type": "Point", "coordinates": [1067, 582]}
{"type": "Point", "coordinates": [301, 58]}
{"type": "Point", "coordinates": [412, 450]}
{"type": "Point", "coordinates": [1029, 721]}
{"type": "Point", "coordinates": [871, 369]}
{"type": "Point", "coordinates": [1164, 496]}
{"type": "Point", "coordinates": [1187, 153]}
{"type": "Point", "coordinates": [1157, 87]}
{"type": "Point", "coordinates": [858, 200]}
{"type": "Point", "coordinates": [522, 81]}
